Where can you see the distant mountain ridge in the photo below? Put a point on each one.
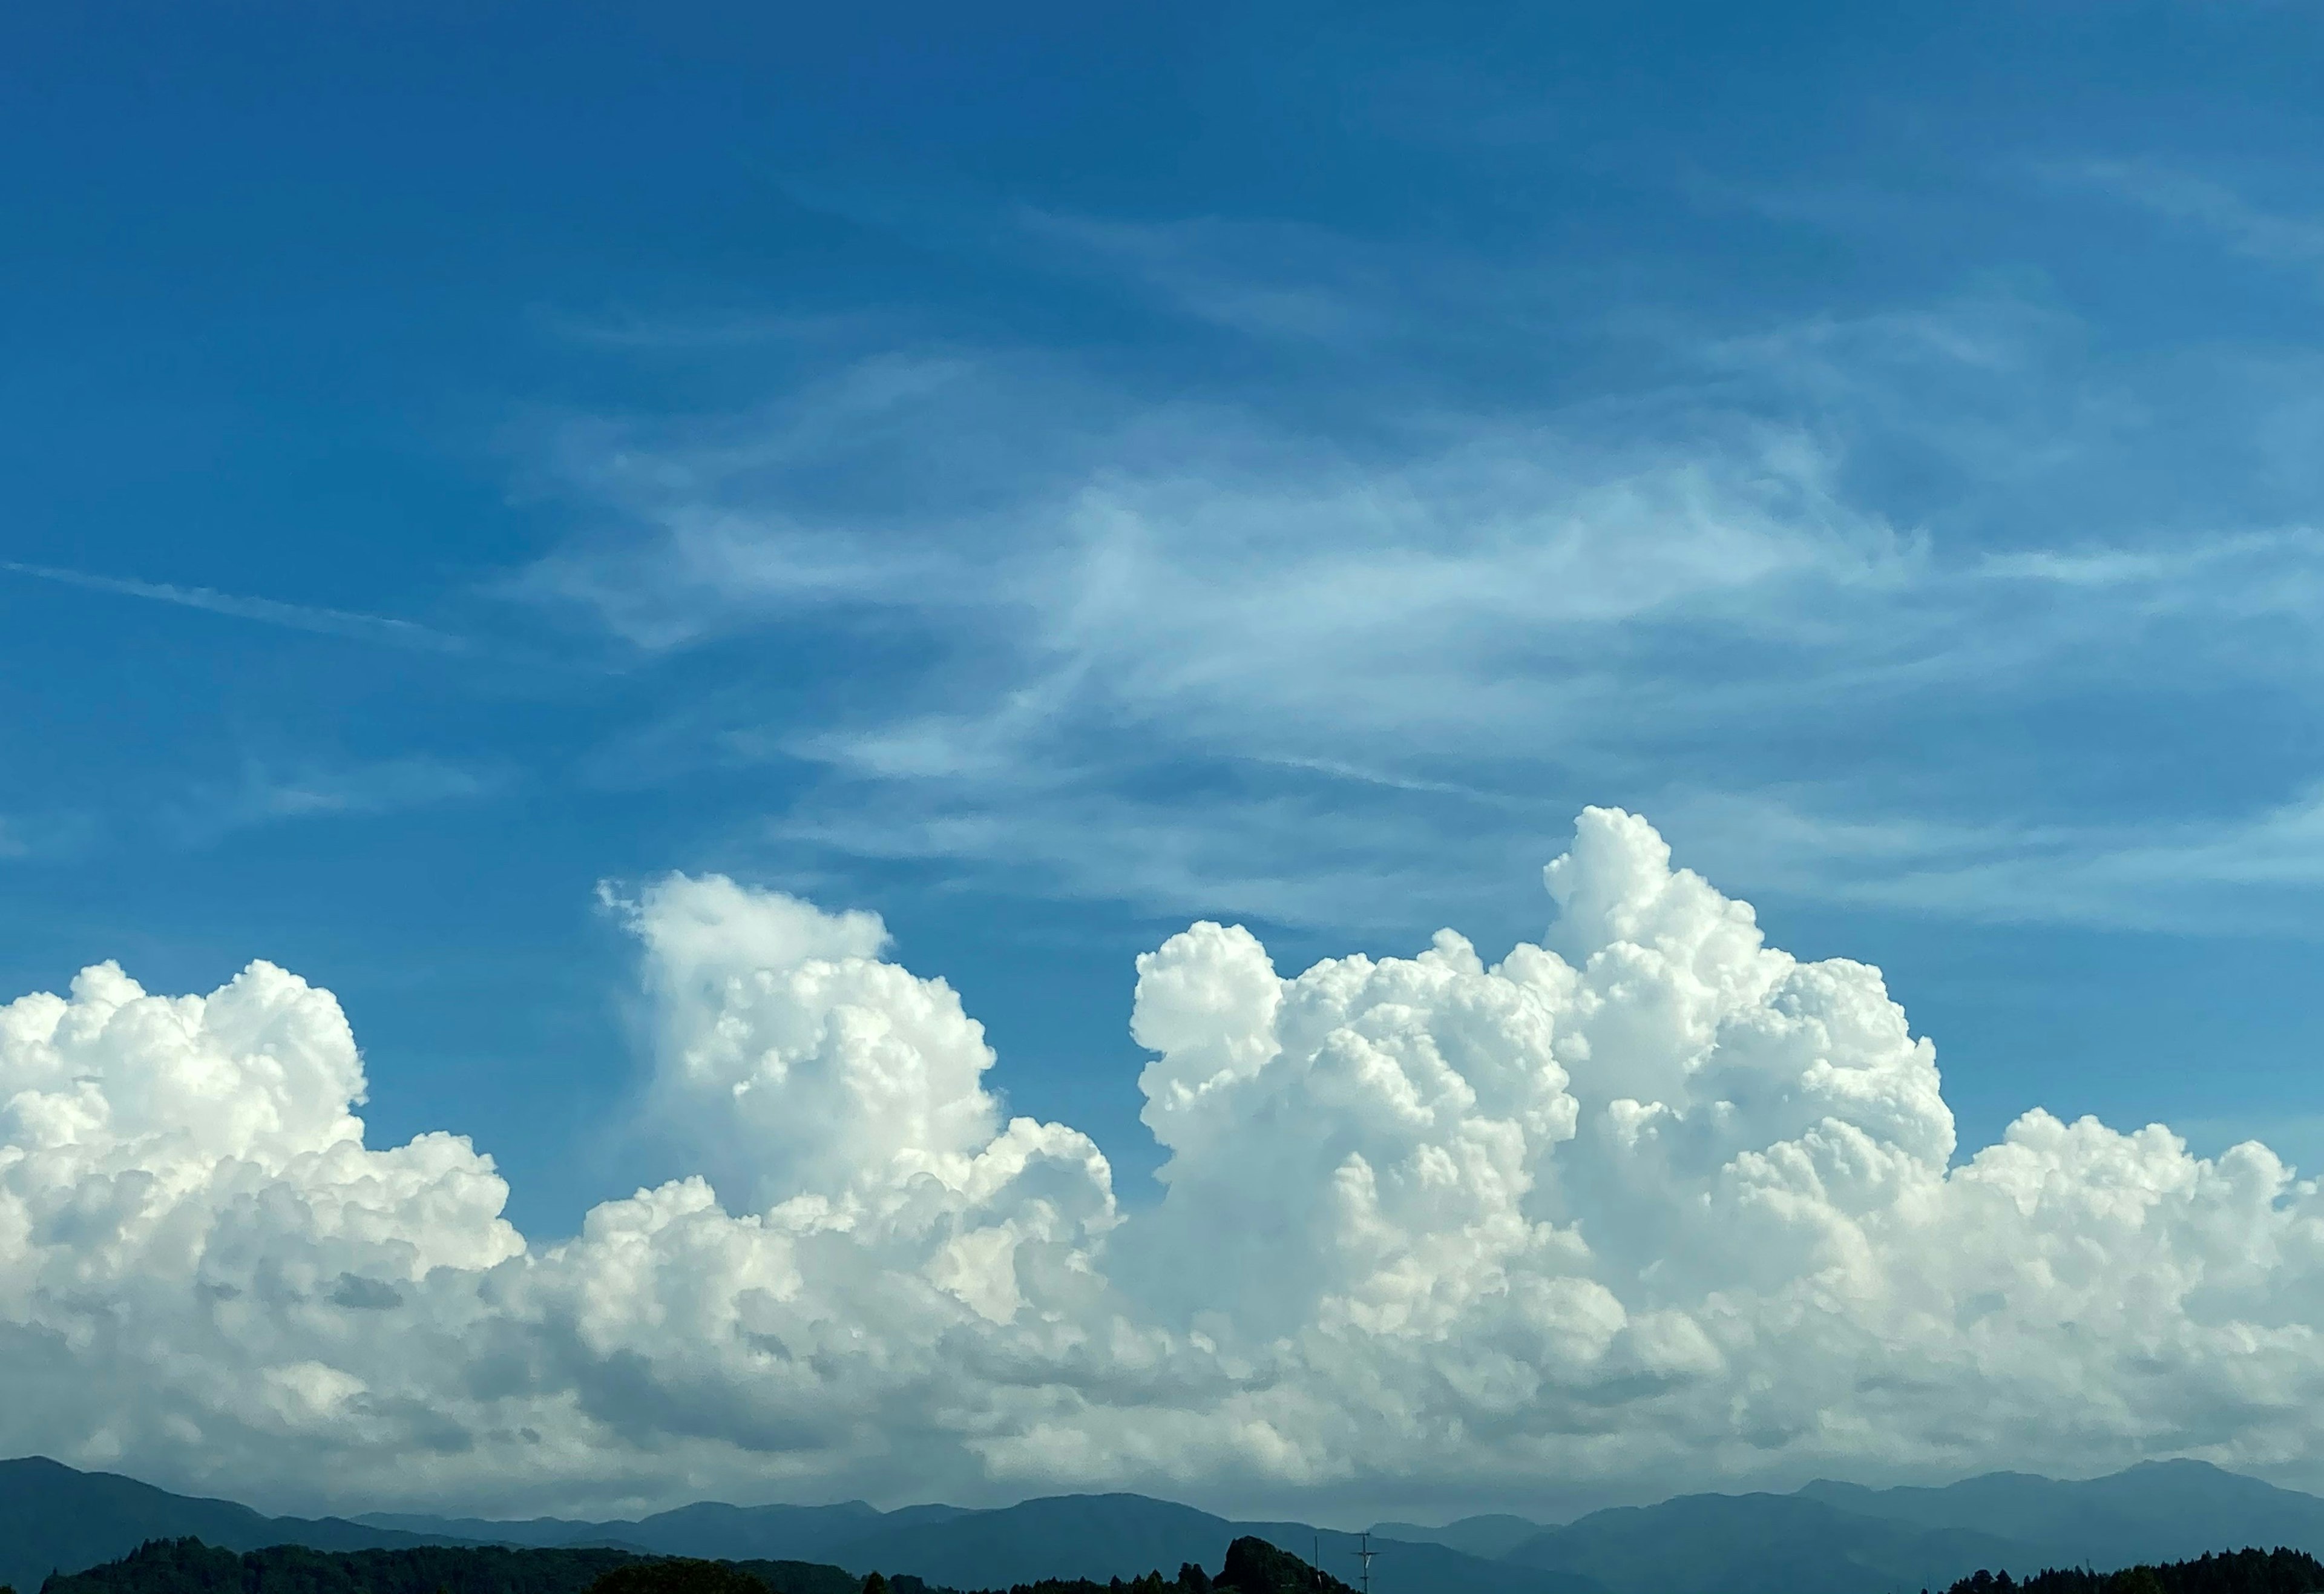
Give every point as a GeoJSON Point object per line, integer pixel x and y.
{"type": "Point", "coordinates": [706, 1528]}
{"type": "Point", "coordinates": [1839, 1538]}
{"type": "Point", "coordinates": [1097, 1536]}
{"type": "Point", "coordinates": [2156, 1511]}
{"type": "Point", "coordinates": [56, 1518]}
{"type": "Point", "coordinates": [1490, 1536]}
{"type": "Point", "coordinates": [1759, 1545]}
{"type": "Point", "coordinates": [1825, 1538]}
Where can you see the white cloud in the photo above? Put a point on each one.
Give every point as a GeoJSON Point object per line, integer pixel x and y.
{"type": "Point", "coordinates": [1177, 654]}
{"type": "Point", "coordinates": [1650, 1204]}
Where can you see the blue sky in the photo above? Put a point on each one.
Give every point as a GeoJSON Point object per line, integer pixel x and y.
{"type": "Point", "coordinates": [1051, 474]}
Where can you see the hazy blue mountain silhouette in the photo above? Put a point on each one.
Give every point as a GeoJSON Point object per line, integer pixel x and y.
{"type": "Point", "coordinates": [1827, 1538]}
{"type": "Point", "coordinates": [1102, 1536]}
{"type": "Point", "coordinates": [2157, 1511]}
{"type": "Point", "coordinates": [715, 1532]}
{"type": "Point", "coordinates": [1410, 1567]}
{"type": "Point", "coordinates": [1490, 1536]}
{"type": "Point", "coordinates": [1063, 1536]}
{"type": "Point", "coordinates": [55, 1518]}
{"type": "Point", "coordinates": [1096, 1536]}
{"type": "Point", "coordinates": [1760, 1544]}
{"type": "Point", "coordinates": [539, 1532]}
{"type": "Point", "coordinates": [1841, 1538]}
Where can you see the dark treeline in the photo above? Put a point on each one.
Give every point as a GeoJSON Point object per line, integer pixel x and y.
{"type": "Point", "coordinates": [1252, 1566]}
{"type": "Point", "coordinates": [2236, 1572]}
{"type": "Point", "coordinates": [188, 1566]}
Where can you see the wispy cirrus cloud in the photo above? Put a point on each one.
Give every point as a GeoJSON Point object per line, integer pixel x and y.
{"type": "Point", "coordinates": [295, 617]}
{"type": "Point", "coordinates": [272, 791]}
{"type": "Point", "coordinates": [2258, 869]}
{"type": "Point", "coordinates": [1274, 281]}
{"type": "Point", "coordinates": [2257, 231]}
{"type": "Point", "coordinates": [1171, 649]}
{"type": "Point", "coordinates": [707, 330]}
{"type": "Point", "coordinates": [47, 835]}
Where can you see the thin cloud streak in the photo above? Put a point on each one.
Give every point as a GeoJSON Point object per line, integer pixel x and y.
{"type": "Point", "coordinates": [268, 793]}
{"type": "Point", "coordinates": [2232, 873]}
{"type": "Point", "coordinates": [2250, 230]}
{"type": "Point", "coordinates": [268, 611]}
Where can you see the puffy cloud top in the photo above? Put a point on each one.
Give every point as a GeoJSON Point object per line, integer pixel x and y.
{"type": "Point", "coordinates": [788, 1051]}
{"type": "Point", "coordinates": [1650, 1204]}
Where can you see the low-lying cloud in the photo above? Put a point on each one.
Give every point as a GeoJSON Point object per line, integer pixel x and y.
{"type": "Point", "coordinates": [1650, 1204]}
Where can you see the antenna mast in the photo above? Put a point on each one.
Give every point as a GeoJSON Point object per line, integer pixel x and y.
{"type": "Point", "coordinates": [1364, 1553]}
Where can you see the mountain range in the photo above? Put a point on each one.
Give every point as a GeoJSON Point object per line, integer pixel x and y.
{"type": "Point", "coordinates": [53, 1518]}
{"type": "Point", "coordinates": [1063, 1536]}
{"type": "Point", "coordinates": [1826, 1538]}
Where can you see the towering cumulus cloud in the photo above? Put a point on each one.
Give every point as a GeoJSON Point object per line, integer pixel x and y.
{"type": "Point", "coordinates": [1650, 1202]}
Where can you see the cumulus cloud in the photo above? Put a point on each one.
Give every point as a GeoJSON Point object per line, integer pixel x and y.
{"type": "Point", "coordinates": [1650, 1204]}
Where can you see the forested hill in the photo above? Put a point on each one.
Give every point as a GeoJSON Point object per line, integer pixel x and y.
{"type": "Point", "coordinates": [188, 1566]}
{"type": "Point", "coordinates": [2235, 1571]}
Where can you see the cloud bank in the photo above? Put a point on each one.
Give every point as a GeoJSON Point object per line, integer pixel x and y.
{"type": "Point", "coordinates": [1650, 1204]}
